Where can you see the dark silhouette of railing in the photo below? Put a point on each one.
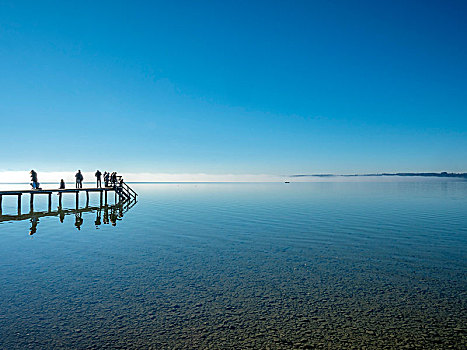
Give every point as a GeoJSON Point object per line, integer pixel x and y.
{"type": "Point", "coordinates": [124, 191]}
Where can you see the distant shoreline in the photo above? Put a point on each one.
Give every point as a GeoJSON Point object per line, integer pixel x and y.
{"type": "Point", "coordinates": [442, 174]}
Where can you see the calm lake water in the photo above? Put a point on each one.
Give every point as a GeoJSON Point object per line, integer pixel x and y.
{"type": "Point", "coordinates": [231, 266]}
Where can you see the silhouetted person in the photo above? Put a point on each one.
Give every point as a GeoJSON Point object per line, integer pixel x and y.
{"type": "Point", "coordinates": [113, 178]}
{"type": "Point", "coordinates": [79, 179]}
{"type": "Point", "coordinates": [35, 183]}
{"type": "Point", "coordinates": [98, 177]}
{"type": "Point", "coordinates": [62, 184]}
{"type": "Point", "coordinates": [106, 178]}
{"type": "Point", "coordinates": [78, 220]}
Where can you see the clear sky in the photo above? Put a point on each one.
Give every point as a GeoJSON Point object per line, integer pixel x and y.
{"type": "Point", "coordinates": [233, 87]}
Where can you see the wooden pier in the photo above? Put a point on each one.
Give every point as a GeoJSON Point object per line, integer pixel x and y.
{"type": "Point", "coordinates": [121, 191]}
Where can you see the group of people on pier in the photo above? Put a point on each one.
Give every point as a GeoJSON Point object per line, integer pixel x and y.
{"type": "Point", "coordinates": [109, 178]}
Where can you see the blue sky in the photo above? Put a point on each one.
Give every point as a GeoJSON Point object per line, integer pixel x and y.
{"type": "Point", "coordinates": [233, 87]}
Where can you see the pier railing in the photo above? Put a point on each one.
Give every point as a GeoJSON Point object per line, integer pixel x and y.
{"type": "Point", "coordinates": [123, 190]}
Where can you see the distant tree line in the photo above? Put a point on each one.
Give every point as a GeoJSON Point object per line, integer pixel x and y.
{"type": "Point", "coordinates": [442, 174]}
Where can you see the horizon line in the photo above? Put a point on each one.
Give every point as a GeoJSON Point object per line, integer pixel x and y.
{"type": "Point", "coordinates": [451, 175]}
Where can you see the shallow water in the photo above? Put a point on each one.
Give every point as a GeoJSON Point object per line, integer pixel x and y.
{"type": "Point", "coordinates": [280, 266]}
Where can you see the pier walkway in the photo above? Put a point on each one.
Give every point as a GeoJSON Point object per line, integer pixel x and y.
{"type": "Point", "coordinates": [121, 192]}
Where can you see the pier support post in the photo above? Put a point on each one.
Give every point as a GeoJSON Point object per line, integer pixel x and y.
{"type": "Point", "coordinates": [50, 201]}
{"type": "Point", "coordinates": [19, 204]}
{"type": "Point", "coordinates": [115, 201]}
{"type": "Point", "coordinates": [100, 197]}
{"type": "Point", "coordinates": [87, 198]}
{"type": "Point", "coordinates": [31, 202]}
{"type": "Point", "coordinates": [0, 204]}
{"type": "Point", "coordinates": [77, 199]}
{"type": "Point", "coordinates": [105, 198]}
{"type": "Point", "coordinates": [59, 199]}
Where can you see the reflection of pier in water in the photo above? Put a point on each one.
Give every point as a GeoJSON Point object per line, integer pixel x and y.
{"type": "Point", "coordinates": [105, 214]}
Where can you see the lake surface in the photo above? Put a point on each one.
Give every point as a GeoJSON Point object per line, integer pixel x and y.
{"type": "Point", "coordinates": [229, 266]}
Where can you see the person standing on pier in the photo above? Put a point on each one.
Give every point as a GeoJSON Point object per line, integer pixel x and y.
{"type": "Point", "coordinates": [79, 179]}
{"type": "Point", "coordinates": [98, 176]}
{"type": "Point", "coordinates": [34, 184]}
{"type": "Point", "coordinates": [106, 178]}
{"type": "Point", "coordinates": [113, 178]}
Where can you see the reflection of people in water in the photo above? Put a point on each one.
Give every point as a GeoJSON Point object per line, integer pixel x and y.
{"type": "Point", "coordinates": [34, 222]}
{"type": "Point", "coordinates": [61, 216]}
{"type": "Point", "coordinates": [113, 217]}
{"type": "Point", "coordinates": [78, 220]}
{"type": "Point", "coordinates": [106, 215]}
{"type": "Point", "coordinates": [98, 218]}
